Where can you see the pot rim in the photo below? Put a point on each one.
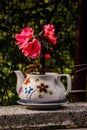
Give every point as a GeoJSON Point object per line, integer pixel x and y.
{"type": "Point", "coordinates": [42, 75]}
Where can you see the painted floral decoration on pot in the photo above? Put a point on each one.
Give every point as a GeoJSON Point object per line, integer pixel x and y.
{"type": "Point", "coordinates": [40, 46]}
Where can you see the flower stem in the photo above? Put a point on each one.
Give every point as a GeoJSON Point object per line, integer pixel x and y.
{"type": "Point", "coordinates": [42, 61]}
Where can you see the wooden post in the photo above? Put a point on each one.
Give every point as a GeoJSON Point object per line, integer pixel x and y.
{"type": "Point", "coordinates": [81, 51]}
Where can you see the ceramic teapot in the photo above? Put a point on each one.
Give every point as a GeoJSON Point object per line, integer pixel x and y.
{"type": "Point", "coordinates": [48, 87]}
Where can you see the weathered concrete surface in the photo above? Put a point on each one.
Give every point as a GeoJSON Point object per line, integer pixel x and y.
{"type": "Point", "coordinates": [20, 117]}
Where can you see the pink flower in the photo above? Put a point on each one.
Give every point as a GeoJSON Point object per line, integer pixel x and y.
{"type": "Point", "coordinates": [20, 38]}
{"type": "Point", "coordinates": [49, 33]}
{"type": "Point", "coordinates": [47, 56]}
{"type": "Point", "coordinates": [27, 32]}
{"type": "Point", "coordinates": [52, 38]}
{"type": "Point", "coordinates": [32, 49]}
{"type": "Point", "coordinates": [25, 49]}
{"type": "Point", "coordinates": [24, 36]}
{"type": "Point", "coordinates": [48, 28]}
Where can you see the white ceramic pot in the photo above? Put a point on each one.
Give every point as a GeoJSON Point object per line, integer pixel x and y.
{"type": "Point", "coordinates": [46, 87]}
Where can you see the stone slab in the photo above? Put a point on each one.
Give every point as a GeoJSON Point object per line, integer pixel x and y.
{"type": "Point", "coordinates": [19, 117]}
{"type": "Point", "coordinates": [74, 129]}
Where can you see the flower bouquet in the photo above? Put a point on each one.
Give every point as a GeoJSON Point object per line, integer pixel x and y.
{"type": "Point", "coordinates": [34, 46]}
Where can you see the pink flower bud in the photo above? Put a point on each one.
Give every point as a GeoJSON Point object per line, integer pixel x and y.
{"type": "Point", "coordinates": [47, 56]}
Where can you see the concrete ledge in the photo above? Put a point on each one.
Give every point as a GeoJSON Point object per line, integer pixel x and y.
{"type": "Point", "coordinates": [72, 115]}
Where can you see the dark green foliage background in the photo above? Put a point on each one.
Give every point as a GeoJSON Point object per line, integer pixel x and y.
{"type": "Point", "coordinates": [17, 14]}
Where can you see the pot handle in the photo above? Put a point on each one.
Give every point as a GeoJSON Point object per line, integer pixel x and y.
{"type": "Point", "coordinates": [68, 89]}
